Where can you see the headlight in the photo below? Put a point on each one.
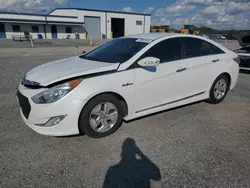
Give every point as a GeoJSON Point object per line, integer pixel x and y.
{"type": "Point", "coordinates": [55, 93]}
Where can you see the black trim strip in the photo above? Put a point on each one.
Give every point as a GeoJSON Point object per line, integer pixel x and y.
{"type": "Point", "coordinates": [58, 16]}
{"type": "Point", "coordinates": [171, 102]}
{"type": "Point", "coordinates": [55, 22]}
{"type": "Point", "coordinates": [82, 77]}
{"type": "Point", "coordinates": [72, 78]}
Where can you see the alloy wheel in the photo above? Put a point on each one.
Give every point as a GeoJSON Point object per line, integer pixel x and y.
{"type": "Point", "coordinates": [103, 117]}
{"type": "Point", "coordinates": [220, 89]}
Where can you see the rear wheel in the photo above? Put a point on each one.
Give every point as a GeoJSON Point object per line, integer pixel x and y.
{"type": "Point", "coordinates": [219, 89]}
{"type": "Point", "coordinates": [102, 116]}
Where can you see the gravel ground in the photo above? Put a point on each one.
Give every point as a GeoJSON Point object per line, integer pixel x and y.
{"type": "Point", "coordinates": [199, 145]}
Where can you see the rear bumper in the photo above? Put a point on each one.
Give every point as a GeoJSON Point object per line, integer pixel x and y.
{"type": "Point", "coordinates": [234, 73]}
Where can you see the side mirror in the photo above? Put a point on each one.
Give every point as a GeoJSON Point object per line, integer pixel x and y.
{"type": "Point", "coordinates": [149, 62]}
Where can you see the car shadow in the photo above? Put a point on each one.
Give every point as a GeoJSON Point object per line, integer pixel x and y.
{"type": "Point", "coordinates": [72, 136]}
{"type": "Point", "coordinates": [164, 111]}
{"type": "Point", "coordinates": [135, 169]}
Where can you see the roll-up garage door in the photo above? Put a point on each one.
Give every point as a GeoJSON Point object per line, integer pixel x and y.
{"type": "Point", "coordinates": [92, 26]}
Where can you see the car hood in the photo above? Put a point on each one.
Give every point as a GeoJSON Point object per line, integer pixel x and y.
{"type": "Point", "coordinates": [63, 69]}
{"type": "Point", "coordinates": [243, 38]}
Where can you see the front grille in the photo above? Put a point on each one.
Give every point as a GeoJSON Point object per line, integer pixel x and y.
{"type": "Point", "coordinates": [245, 61]}
{"type": "Point", "coordinates": [24, 104]}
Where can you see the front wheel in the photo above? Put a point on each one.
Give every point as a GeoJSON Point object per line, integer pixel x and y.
{"type": "Point", "coordinates": [102, 116]}
{"type": "Point", "coordinates": [219, 89]}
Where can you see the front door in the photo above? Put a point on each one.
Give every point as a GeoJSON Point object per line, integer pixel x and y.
{"type": "Point", "coordinates": [54, 31]}
{"type": "Point", "coordinates": [165, 83]}
{"type": "Point", "coordinates": [2, 31]}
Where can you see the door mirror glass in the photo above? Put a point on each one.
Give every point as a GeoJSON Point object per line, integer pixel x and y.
{"type": "Point", "coordinates": [149, 62]}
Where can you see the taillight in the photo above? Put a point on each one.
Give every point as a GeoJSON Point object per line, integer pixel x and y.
{"type": "Point", "coordinates": [237, 60]}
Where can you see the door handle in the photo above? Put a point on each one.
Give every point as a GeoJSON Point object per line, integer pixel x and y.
{"type": "Point", "coordinates": [216, 60]}
{"type": "Point", "coordinates": [181, 69]}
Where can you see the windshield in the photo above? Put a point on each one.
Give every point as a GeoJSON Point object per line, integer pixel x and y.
{"type": "Point", "coordinates": [116, 51]}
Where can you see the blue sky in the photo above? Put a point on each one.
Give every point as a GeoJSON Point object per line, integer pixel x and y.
{"type": "Point", "coordinates": [221, 14]}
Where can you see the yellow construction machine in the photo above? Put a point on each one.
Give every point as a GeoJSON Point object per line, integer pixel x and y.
{"type": "Point", "coordinates": [159, 29]}
{"type": "Point", "coordinates": [190, 29]}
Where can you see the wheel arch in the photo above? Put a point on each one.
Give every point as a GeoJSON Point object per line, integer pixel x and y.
{"type": "Point", "coordinates": [228, 77]}
{"type": "Point", "coordinates": [117, 95]}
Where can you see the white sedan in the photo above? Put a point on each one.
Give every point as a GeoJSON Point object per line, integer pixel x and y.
{"type": "Point", "coordinates": [124, 79]}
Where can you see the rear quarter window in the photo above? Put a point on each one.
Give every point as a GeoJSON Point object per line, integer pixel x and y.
{"type": "Point", "coordinates": [194, 47]}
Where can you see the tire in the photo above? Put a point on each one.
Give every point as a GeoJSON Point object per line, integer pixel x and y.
{"type": "Point", "coordinates": [86, 119]}
{"type": "Point", "coordinates": [213, 98]}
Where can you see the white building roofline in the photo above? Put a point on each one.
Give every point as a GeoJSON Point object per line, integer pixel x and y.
{"type": "Point", "coordinates": [41, 22]}
{"type": "Point", "coordinates": [96, 10]}
{"type": "Point", "coordinates": [38, 18]}
{"type": "Point", "coordinates": [42, 15]}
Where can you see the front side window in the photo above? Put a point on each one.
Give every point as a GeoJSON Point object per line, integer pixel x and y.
{"type": "Point", "coordinates": [194, 47]}
{"type": "Point", "coordinates": [166, 51]}
{"type": "Point", "coordinates": [116, 51]}
{"type": "Point", "coordinates": [16, 28]}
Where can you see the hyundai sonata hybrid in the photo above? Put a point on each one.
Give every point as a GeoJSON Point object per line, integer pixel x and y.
{"type": "Point", "coordinates": [124, 79]}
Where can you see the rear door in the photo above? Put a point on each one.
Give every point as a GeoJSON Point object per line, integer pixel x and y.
{"type": "Point", "coordinates": [202, 61]}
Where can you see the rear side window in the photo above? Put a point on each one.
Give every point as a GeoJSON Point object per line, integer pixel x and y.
{"type": "Point", "coordinates": [194, 47]}
{"type": "Point", "coordinates": [167, 50]}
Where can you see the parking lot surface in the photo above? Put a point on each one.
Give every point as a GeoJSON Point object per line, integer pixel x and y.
{"type": "Point", "coordinates": [199, 145]}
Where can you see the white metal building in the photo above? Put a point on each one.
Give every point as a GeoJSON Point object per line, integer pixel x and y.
{"type": "Point", "coordinates": [49, 26]}
{"type": "Point", "coordinates": [64, 22]}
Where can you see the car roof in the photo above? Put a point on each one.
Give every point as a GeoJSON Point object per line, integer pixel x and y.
{"type": "Point", "coordinates": [155, 36]}
{"type": "Point", "coordinates": [151, 36]}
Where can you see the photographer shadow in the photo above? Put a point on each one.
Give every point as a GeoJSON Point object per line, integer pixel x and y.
{"type": "Point", "coordinates": [135, 170]}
